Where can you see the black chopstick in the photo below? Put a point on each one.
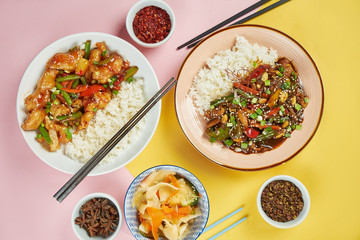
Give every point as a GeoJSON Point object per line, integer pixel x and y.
{"type": "Point", "coordinates": [258, 13]}
{"type": "Point", "coordinates": [85, 170]}
{"type": "Point", "coordinates": [225, 22]}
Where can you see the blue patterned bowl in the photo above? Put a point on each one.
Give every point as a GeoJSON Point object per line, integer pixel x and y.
{"type": "Point", "coordinates": [131, 213]}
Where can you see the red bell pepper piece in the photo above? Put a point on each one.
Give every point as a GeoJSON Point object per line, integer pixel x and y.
{"type": "Point", "coordinates": [251, 133]}
{"type": "Point", "coordinates": [78, 89]}
{"type": "Point", "coordinates": [90, 90]}
{"type": "Point", "coordinates": [245, 88]}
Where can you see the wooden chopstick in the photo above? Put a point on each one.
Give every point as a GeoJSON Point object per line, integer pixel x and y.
{"type": "Point", "coordinates": [85, 170]}
{"type": "Point", "coordinates": [223, 23]}
{"type": "Point", "coordinates": [258, 13]}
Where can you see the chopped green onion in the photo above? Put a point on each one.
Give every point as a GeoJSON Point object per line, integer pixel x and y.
{"type": "Point", "coordinates": [229, 124]}
{"type": "Point", "coordinates": [288, 129]}
{"type": "Point", "coordinates": [267, 83]}
{"type": "Point", "coordinates": [268, 91]}
{"type": "Point", "coordinates": [244, 145]}
{"type": "Point", "coordinates": [228, 142]}
{"type": "Point", "coordinates": [253, 115]}
{"type": "Point", "coordinates": [212, 107]}
{"type": "Point", "coordinates": [42, 124]}
{"type": "Point", "coordinates": [282, 108]}
{"type": "Point", "coordinates": [306, 100]}
{"type": "Point", "coordinates": [262, 123]}
{"type": "Point", "coordinates": [115, 92]}
{"type": "Point", "coordinates": [286, 85]}
{"type": "Point", "coordinates": [105, 86]}
{"type": "Point", "coordinates": [95, 62]}
{"type": "Point", "coordinates": [243, 103]}
{"type": "Point", "coordinates": [56, 92]}
{"type": "Point", "coordinates": [53, 96]}
{"type": "Point", "coordinates": [232, 120]}
{"type": "Point", "coordinates": [297, 107]}
{"type": "Point", "coordinates": [130, 79]}
{"type": "Point", "coordinates": [236, 101]}
{"type": "Point", "coordinates": [104, 53]}
{"type": "Point", "coordinates": [254, 100]}
{"type": "Point", "coordinates": [253, 80]}
{"type": "Point", "coordinates": [73, 95]}
{"type": "Point", "coordinates": [287, 135]}
{"type": "Point", "coordinates": [293, 127]}
{"type": "Point", "coordinates": [298, 127]}
{"type": "Point", "coordinates": [267, 130]}
{"type": "Point", "coordinates": [95, 109]}
{"type": "Point", "coordinates": [259, 111]}
{"type": "Point", "coordinates": [254, 64]}
{"type": "Point", "coordinates": [212, 139]}
{"type": "Point", "coordinates": [51, 117]}
{"type": "Point", "coordinates": [53, 89]}
{"type": "Point", "coordinates": [281, 69]}
{"type": "Point", "coordinates": [68, 133]}
{"type": "Point", "coordinates": [280, 74]}
{"type": "Point", "coordinates": [56, 102]}
{"type": "Point", "coordinates": [294, 75]}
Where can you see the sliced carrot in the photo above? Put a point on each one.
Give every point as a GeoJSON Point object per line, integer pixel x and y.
{"type": "Point", "coordinates": [184, 210]}
{"type": "Point", "coordinates": [167, 179]}
{"type": "Point", "coordinates": [174, 181]}
{"type": "Point", "coordinates": [147, 225]}
{"type": "Point", "coordinates": [157, 216]}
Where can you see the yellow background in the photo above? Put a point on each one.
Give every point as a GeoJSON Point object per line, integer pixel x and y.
{"type": "Point", "coordinates": [329, 166]}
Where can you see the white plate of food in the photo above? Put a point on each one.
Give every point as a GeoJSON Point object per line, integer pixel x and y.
{"type": "Point", "coordinates": [78, 92]}
{"type": "Point", "coordinates": [249, 97]}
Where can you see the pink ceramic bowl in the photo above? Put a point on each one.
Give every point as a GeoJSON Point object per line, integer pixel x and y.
{"type": "Point", "coordinates": [193, 124]}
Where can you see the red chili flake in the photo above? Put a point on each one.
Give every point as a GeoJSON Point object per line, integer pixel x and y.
{"type": "Point", "coordinates": [151, 24]}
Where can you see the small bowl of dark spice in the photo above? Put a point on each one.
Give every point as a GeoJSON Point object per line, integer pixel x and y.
{"type": "Point", "coordinates": [96, 216]}
{"type": "Point", "coordinates": [150, 23]}
{"type": "Point", "coordinates": [283, 201]}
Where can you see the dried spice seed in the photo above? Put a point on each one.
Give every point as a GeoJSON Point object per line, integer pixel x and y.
{"type": "Point", "coordinates": [151, 24]}
{"type": "Point", "coordinates": [98, 217]}
{"type": "Point", "coordinates": [282, 201]}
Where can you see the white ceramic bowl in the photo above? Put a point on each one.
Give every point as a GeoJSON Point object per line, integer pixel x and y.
{"type": "Point", "coordinates": [304, 211]}
{"type": "Point", "coordinates": [80, 232]}
{"type": "Point", "coordinates": [131, 213]}
{"type": "Point", "coordinates": [59, 160]}
{"type": "Point", "coordinates": [140, 5]}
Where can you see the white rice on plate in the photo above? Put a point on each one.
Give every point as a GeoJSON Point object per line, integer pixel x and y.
{"type": "Point", "coordinates": [107, 122]}
{"type": "Point", "coordinates": [212, 81]}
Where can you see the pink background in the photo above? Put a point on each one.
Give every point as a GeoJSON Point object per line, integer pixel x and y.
{"type": "Point", "coordinates": [28, 210]}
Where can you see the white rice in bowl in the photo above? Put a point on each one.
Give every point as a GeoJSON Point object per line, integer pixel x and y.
{"type": "Point", "coordinates": [213, 81]}
{"type": "Point", "coordinates": [107, 122]}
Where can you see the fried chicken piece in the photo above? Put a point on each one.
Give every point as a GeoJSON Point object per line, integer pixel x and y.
{"type": "Point", "coordinates": [66, 61]}
{"type": "Point", "coordinates": [34, 119]}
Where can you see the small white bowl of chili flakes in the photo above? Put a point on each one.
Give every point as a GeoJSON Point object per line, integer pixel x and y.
{"type": "Point", "coordinates": [283, 201]}
{"type": "Point", "coordinates": [150, 23]}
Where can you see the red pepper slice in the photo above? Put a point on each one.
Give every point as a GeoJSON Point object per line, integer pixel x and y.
{"type": "Point", "coordinates": [251, 133]}
{"type": "Point", "coordinates": [91, 90]}
{"type": "Point", "coordinates": [245, 88]}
